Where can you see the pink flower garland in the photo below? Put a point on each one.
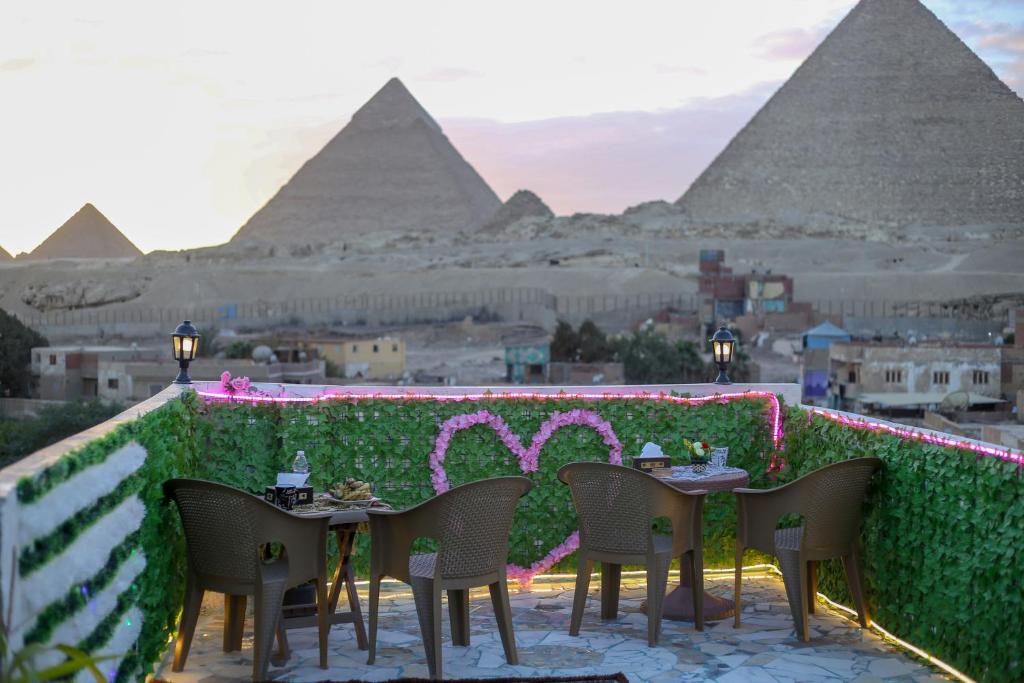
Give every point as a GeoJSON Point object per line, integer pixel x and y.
{"type": "Point", "coordinates": [529, 459]}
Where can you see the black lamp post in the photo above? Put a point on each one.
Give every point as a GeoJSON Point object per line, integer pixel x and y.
{"type": "Point", "coordinates": [184, 345]}
{"type": "Point", "coordinates": [722, 346]}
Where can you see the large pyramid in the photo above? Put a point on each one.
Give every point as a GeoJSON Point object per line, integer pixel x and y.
{"type": "Point", "coordinates": [87, 234]}
{"type": "Point", "coordinates": [390, 168]}
{"type": "Point", "coordinates": [4, 255]}
{"type": "Point", "coordinates": [892, 121]}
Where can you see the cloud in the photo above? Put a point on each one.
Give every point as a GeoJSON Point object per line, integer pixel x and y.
{"type": "Point", "coordinates": [17, 64]}
{"type": "Point", "coordinates": [791, 44]}
{"type": "Point", "coordinates": [604, 163]}
{"type": "Point", "coordinates": [449, 73]}
{"type": "Point", "coordinates": [1001, 45]}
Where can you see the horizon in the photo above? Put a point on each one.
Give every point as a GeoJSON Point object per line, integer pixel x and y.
{"type": "Point", "coordinates": [242, 119]}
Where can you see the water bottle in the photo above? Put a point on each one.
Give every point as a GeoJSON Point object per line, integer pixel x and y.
{"type": "Point", "coordinates": [300, 465]}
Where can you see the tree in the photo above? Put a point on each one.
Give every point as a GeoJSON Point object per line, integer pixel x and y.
{"type": "Point", "coordinates": [565, 343]}
{"type": "Point", "coordinates": [16, 342]}
{"type": "Point", "coordinates": [691, 366]}
{"type": "Point", "coordinates": [18, 438]}
{"type": "Point", "coordinates": [648, 358]}
{"type": "Point", "coordinates": [593, 344]}
{"type": "Point", "coordinates": [739, 368]}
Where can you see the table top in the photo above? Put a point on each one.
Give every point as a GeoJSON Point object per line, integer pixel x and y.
{"type": "Point", "coordinates": [727, 479]}
{"type": "Point", "coordinates": [338, 517]}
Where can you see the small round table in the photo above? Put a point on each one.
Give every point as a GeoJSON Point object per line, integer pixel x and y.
{"type": "Point", "coordinates": [678, 605]}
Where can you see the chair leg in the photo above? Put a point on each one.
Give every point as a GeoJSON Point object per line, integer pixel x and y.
{"type": "Point", "coordinates": [458, 612]}
{"type": "Point", "coordinates": [374, 602]}
{"type": "Point", "coordinates": [503, 615]}
{"type": "Point", "coordinates": [611, 578]}
{"type": "Point", "coordinates": [853, 576]}
{"type": "Point", "coordinates": [738, 586]}
{"type": "Point", "coordinates": [234, 622]}
{"type": "Point", "coordinates": [266, 609]}
{"type": "Point", "coordinates": [283, 651]}
{"type": "Point", "coordinates": [697, 583]}
{"type": "Point", "coordinates": [189, 617]}
{"type": "Point", "coordinates": [794, 575]}
{"type": "Point", "coordinates": [323, 627]}
{"type": "Point", "coordinates": [657, 581]}
{"type": "Point", "coordinates": [426, 594]}
{"type": "Point", "coordinates": [812, 585]}
{"type": "Point", "coordinates": [579, 598]}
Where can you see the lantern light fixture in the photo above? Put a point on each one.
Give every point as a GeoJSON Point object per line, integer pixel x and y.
{"type": "Point", "coordinates": [723, 346]}
{"type": "Point", "coordinates": [184, 346]}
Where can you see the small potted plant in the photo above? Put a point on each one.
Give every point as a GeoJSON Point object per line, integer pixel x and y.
{"type": "Point", "coordinates": [700, 454]}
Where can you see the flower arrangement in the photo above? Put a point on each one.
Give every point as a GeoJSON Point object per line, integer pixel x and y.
{"type": "Point", "coordinates": [700, 454]}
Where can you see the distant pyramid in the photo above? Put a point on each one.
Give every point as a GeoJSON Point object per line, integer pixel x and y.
{"type": "Point", "coordinates": [87, 234]}
{"type": "Point", "coordinates": [891, 121]}
{"type": "Point", "coordinates": [390, 168]}
{"type": "Point", "coordinates": [523, 204]}
{"type": "Point", "coordinates": [5, 255]}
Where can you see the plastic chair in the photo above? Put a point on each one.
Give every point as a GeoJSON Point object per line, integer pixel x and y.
{"type": "Point", "coordinates": [829, 499]}
{"type": "Point", "coordinates": [616, 507]}
{"type": "Point", "coordinates": [471, 525]}
{"type": "Point", "coordinates": [226, 531]}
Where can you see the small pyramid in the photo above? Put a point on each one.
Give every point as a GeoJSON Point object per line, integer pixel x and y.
{"type": "Point", "coordinates": [523, 204]}
{"type": "Point", "coordinates": [892, 121]}
{"type": "Point", "coordinates": [5, 255]}
{"type": "Point", "coordinates": [87, 234]}
{"type": "Point", "coordinates": [390, 168]}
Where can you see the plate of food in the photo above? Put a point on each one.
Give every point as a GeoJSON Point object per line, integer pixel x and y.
{"type": "Point", "coordinates": [352, 493]}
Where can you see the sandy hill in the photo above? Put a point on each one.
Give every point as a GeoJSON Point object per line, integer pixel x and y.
{"type": "Point", "coordinates": [87, 234]}
{"type": "Point", "coordinates": [892, 121]}
{"type": "Point", "coordinates": [391, 168]}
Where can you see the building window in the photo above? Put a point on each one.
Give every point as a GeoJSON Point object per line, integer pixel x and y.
{"type": "Point", "coordinates": [852, 377]}
{"type": "Point", "coordinates": [355, 347]}
{"type": "Point", "coordinates": [940, 377]}
{"type": "Point", "coordinates": [53, 359]}
{"type": "Point", "coordinates": [37, 359]}
{"type": "Point", "coordinates": [980, 377]}
{"type": "Point", "coordinates": [394, 348]}
{"type": "Point", "coordinates": [893, 376]}
{"type": "Point", "coordinates": [376, 348]}
{"type": "Point", "coordinates": [112, 383]}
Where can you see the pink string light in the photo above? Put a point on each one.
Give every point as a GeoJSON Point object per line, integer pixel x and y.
{"type": "Point", "coordinates": [909, 434]}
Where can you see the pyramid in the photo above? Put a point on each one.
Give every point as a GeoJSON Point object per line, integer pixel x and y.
{"type": "Point", "coordinates": [5, 255]}
{"type": "Point", "coordinates": [523, 204]}
{"type": "Point", "coordinates": [390, 168]}
{"type": "Point", "coordinates": [87, 234]}
{"type": "Point", "coordinates": [892, 121]}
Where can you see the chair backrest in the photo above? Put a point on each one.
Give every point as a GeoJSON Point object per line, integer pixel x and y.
{"type": "Point", "coordinates": [832, 501]}
{"type": "Point", "coordinates": [613, 504]}
{"type": "Point", "coordinates": [473, 525]}
{"type": "Point", "coordinates": [220, 528]}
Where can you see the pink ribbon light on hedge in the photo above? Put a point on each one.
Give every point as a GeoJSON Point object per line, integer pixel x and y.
{"type": "Point", "coordinates": [529, 459]}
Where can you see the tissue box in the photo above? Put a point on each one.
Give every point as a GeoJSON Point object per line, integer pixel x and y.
{"type": "Point", "coordinates": [287, 497]}
{"type": "Point", "coordinates": [648, 463]}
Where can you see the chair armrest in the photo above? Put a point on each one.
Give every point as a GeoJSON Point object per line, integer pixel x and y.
{"type": "Point", "coordinates": [392, 533]}
{"type": "Point", "coordinates": [304, 540]}
{"type": "Point", "coordinates": [685, 509]}
{"type": "Point", "coordinates": [758, 512]}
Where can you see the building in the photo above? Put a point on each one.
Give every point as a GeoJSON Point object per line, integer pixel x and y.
{"type": "Point", "coordinates": [129, 375]}
{"type": "Point", "coordinates": [878, 369]}
{"type": "Point", "coordinates": [815, 361]}
{"type": "Point", "coordinates": [527, 362]}
{"type": "Point", "coordinates": [380, 358]}
{"type": "Point", "coordinates": [754, 301]}
{"type": "Point", "coordinates": [579, 374]}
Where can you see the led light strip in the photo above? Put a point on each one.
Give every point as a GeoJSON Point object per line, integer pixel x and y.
{"type": "Point", "coordinates": [907, 433]}
{"type": "Point", "coordinates": [773, 401]}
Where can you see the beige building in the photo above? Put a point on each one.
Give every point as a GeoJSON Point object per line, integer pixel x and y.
{"type": "Point", "coordinates": [381, 358]}
{"type": "Point", "coordinates": [879, 368]}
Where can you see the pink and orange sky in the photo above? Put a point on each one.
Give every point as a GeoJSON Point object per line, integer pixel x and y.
{"type": "Point", "coordinates": [179, 124]}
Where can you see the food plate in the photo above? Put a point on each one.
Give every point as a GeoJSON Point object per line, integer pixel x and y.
{"type": "Point", "coordinates": [355, 504]}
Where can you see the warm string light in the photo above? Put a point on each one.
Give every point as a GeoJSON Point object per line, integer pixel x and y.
{"type": "Point", "coordinates": [908, 434]}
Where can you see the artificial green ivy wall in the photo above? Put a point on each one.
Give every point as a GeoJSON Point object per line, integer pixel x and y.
{"type": "Point", "coordinates": [943, 544]}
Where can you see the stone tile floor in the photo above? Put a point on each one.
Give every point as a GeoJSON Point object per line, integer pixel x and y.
{"type": "Point", "coordinates": [763, 649]}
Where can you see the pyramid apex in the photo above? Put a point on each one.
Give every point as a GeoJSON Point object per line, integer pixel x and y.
{"type": "Point", "coordinates": [393, 105]}
{"type": "Point", "coordinates": [87, 234]}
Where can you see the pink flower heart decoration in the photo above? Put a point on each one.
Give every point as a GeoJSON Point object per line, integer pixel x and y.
{"type": "Point", "coordinates": [528, 460]}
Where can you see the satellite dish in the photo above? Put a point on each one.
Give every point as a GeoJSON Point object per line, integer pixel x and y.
{"type": "Point", "coordinates": [262, 354]}
{"type": "Point", "coordinates": [956, 400]}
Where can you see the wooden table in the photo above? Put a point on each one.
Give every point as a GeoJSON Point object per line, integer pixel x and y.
{"type": "Point", "coordinates": [345, 525]}
{"type": "Point", "coordinates": [678, 605]}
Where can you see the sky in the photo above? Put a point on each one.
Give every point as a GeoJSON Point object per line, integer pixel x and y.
{"type": "Point", "coordinates": [179, 124]}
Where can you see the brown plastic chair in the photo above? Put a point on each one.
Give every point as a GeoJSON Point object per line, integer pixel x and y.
{"type": "Point", "coordinates": [829, 499]}
{"type": "Point", "coordinates": [471, 525]}
{"type": "Point", "coordinates": [226, 531]}
{"type": "Point", "coordinates": [616, 507]}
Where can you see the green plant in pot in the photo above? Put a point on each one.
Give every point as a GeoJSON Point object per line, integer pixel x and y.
{"type": "Point", "coordinates": [700, 454]}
